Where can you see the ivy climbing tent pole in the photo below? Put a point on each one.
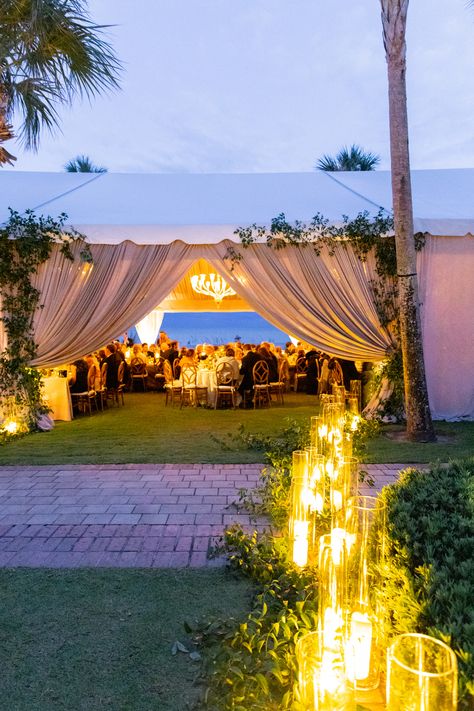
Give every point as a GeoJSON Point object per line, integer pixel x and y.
{"type": "Point", "coordinates": [419, 422]}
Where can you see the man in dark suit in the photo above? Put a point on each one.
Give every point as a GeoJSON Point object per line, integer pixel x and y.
{"type": "Point", "coordinates": [113, 360]}
{"type": "Point", "coordinates": [246, 370]}
{"type": "Point", "coordinates": [171, 352]}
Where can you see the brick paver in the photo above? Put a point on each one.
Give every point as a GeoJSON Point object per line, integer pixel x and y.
{"type": "Point", "coordinates": [129, 515]}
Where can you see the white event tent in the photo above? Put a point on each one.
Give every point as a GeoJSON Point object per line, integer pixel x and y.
{"type": "Point", "coordinates": [149, 232]}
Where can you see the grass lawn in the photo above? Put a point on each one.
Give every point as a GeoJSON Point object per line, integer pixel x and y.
{"type": "Point", "coordinates": [147, 431]}
{"type": "Point", "coordinates": [83, 640]}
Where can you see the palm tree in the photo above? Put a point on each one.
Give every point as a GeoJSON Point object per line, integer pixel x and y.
{"type": "Point", "coordinates": [419, 423]}
{"type": "Point", "coordinates": [353, 158]}
{"type": "Point", "coordinates": [50, 52]}
{"type": "Point", "coordinates": [83, 164]}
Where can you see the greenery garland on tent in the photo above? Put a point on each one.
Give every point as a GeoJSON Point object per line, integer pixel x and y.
{"type": "Point", "coordinates": [365, 235]}
{"type": "Point", "coordinates": [26, 242]}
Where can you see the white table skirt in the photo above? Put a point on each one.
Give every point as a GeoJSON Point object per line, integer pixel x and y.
{"type": "Point", "coordinates": [57, 397]}
{"type": "Point", "coordinates": [207, 379]}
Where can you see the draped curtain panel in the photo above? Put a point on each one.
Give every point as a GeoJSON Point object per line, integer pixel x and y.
{"type": "Point", "coordinates": [85, 306]}
{"type": "Point", "coordinates": [148, 328]}
{"type": "Point", "coordinates": [446, 276]}
{"type": "Point", "coordinates": [322, 299]}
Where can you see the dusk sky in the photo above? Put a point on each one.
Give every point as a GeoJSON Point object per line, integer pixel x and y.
{"type": "Point", "coordinates": [268, 85]}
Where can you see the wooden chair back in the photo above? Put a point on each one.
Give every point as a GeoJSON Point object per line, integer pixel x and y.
{"type": "Point", "coordinates": [260, 373]}
{"type": "Point", "coordinates": [224, 374]}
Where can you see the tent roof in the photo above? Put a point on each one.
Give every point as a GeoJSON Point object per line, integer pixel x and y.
{"type": "Point", "coordinates": [206, 208]}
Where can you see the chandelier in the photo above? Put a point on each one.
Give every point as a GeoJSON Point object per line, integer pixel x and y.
{"type": "Point", "coordinates": [211, 285]}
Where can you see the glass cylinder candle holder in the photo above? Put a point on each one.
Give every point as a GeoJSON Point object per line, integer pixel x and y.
{"type": "Point", "coordinates": [363, 519]}
{"type": "Point", "coordinates": [355, 388]}
{"type": "Point", "coordinates": [421, 675]}
{"type": "Point", "coordinates": [322, 678]}
{"type": "Point", "coordinates": [300, 499]}
{"type": "Point", "coordinates": [339, 392]}
{"type": "Point", "coordinates": [353, 404]}
{"type": "Point", "coordinates": [342, 476]}
{"type": "Point", "coordinates": [315, 424]}
{"type": "Point", "coordinates": [316, 478]}
{"type": "Point", "coordinates": [332, 588]}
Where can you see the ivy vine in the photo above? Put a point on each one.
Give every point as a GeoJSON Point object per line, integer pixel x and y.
{"type": "Point", "coordinates": [26, 242]}
{"type": "Point", "coordinates": [365, 234]}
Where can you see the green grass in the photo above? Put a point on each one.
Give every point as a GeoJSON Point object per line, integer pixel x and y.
{"type": "Point", "coordinates": [147, 431]}
{"type": "Point", "coordinates": [81, 640]}
{"type": "Point", "coordinates": [455, 441]}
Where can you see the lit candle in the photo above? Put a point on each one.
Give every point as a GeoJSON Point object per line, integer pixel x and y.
{"type": "Point", "coordinates": [323, 431]}
{"type": "Point", "coordinates": [318, 503]}
{"type": "Point", "coordinates": [336, 499]}
{"type": "Point", "coordinates": [338, 538]}
{"type": "Point", "coordinates": [300, 543]}
{"type": "Point", "coordinates": [360, 643]}
{"type": "Point", "coordinates": [332, 628]}
{"type": "Point", "coordinates": [11, 427]}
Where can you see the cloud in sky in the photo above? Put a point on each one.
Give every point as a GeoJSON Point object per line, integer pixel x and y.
{"type": "Point", "coordinates": [268, 85]}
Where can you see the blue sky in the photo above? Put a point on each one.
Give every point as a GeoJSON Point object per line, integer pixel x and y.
{"type": "Point", "coordinates": [268, 85]}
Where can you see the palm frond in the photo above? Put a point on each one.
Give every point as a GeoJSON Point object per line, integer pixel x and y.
{"type": "Point", "coordinates": [83, 164]}
{"type": "Point", "coordinates": [51, 51]}
{"type": "Point", "coordinates": [350, 159]}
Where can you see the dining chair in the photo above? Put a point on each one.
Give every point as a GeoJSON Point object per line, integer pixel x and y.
{"type": "Point", "coordinates": [138, 373]}
{"type": "Point", "coordinates": [300, 373]}
{"type": "Point", "coordinates": [82, 401]}
{"type": "Point", "coordinates": [226, 391]}
{"type": "Point", "coordinates": [261, 388]}
{"type": "Point", "coordinates": [191, 393]}
{"type": "Point", "coordinates": [172, 387]}
{"type": "Point", "coordinates": [278, 388]}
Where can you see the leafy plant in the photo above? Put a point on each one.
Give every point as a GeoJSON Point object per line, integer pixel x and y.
{"type": "Point", "coordinates": [254, 666]}
{"type": "Point", "coordinates": [428, 577]}
{"type": "Point", "coordinates": [25, 243]}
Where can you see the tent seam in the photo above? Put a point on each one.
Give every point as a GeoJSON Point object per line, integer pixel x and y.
{"type": "Point", "coordinates": [328, 174]}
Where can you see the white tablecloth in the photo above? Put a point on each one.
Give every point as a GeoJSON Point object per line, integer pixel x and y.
{"type": "Point", "coordinates": [57, 397]}
{"type": "Point", "coordinates": [207, 379]}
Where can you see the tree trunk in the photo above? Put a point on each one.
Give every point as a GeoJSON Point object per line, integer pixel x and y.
{"type": "Point", "coordinates": [419, 423]}
{"type": "Point", "coordinates": [6, 132]}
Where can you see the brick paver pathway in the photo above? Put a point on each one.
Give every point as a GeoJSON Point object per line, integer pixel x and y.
{"type": "Point", "coordinates": [126, 515]}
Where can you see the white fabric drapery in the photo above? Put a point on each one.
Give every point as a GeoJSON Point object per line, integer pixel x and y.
{"type": "Point", "coordinates": [446, 269]}
{"type": "Point", "coordinates": [325, 300]}
{"type": "Point", "coordinates": [149, 327]}
{"type": "Point", "coordinates": [322, 299]}
{"type": "Point", "coordinates": [85, 306]}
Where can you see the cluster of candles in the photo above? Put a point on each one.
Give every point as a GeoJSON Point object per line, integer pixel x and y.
{"type": "Point", "coordinates": [341, 660]}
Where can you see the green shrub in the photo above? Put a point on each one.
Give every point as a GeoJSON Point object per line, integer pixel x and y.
{"type": "Point", "coordinates": [429, 575]}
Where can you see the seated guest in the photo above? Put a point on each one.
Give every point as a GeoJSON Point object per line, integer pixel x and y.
{"type": "Point", "coordinates": [271, 361]}
{"type": "Point", "coordinates": [230, 358]}
{"type": "Point", "coordinates": [113, 361]}
{"type": "Point", "coordinates": [171, 352]}
{"type": "Point", "coordinates": [78, 380]}
{"type": "Point", "coordinates": [137, 354]}
{"type": "Point", "coordinates": [188, 358]}
{"type": "Point", "coordinates": [246, 369]}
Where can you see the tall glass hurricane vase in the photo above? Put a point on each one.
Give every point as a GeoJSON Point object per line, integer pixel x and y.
{"type": "Point", "coordinates": [421, 675]}
{"type": "Point", "coordinates": [363, 521]}
{"type": "Point", "coordinates": [300, 502]}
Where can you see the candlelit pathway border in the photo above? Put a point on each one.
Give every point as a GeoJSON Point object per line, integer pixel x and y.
{"type": "Point", "coordinates": [150, 516]}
